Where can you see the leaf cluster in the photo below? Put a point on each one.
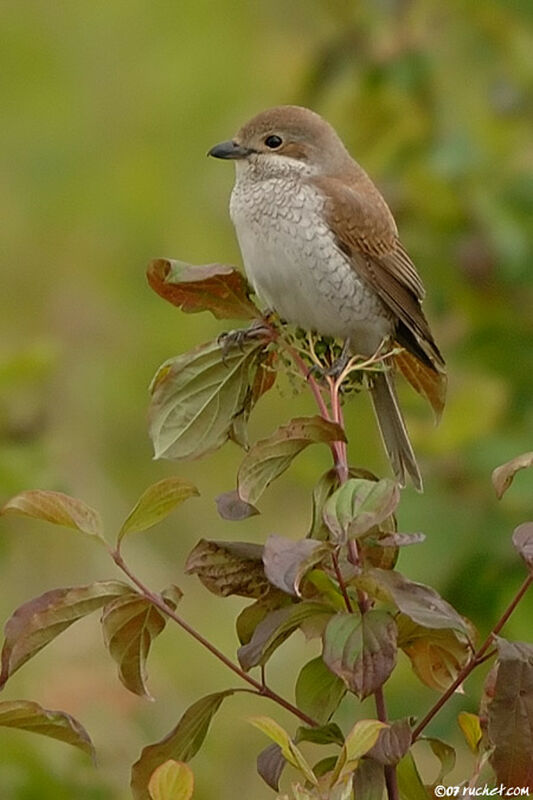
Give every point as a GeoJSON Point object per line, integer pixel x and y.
{"type": "Point", "coordinates": [337, 584]}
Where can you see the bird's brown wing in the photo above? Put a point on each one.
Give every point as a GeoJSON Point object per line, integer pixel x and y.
{"type": "Point", "coordinates": [366, 232]}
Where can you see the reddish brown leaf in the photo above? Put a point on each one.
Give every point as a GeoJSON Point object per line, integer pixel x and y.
{"type": "Point", "coordinates": [57, 508]}
{"type": "Point", "coordinates": [265, 377]}
{"type": "Point", "coordinates": [503, 476]}
{"type": "Point", "coordinates": [231, 507]}
{"type": "Point", "coordinates": [428, 383]}
{"type": "Point", "coordinates": [523, 542]}
{"type": "Point", "coordinates": [229, 568]}
{"type": "Point", "coordinates": [399, 539]}
{"type": "Point", "coordinates": [287, 561]}
{"type": "Point", "coordinates": [361, 650]}
{"type": "Point", "coordinates": [37, 622]}
{"type": "Point", "coordinates": [217, 288]}
{"type": "Point", "coordinates": [393, 743]}
{"type": "Point", "coordinates": [419, 602]}
{"type": "Point", "coordinates": [29, 716]}
{"type": "Point", "coordinates": [130, 624]}
{"type": "Point", "coordinates": [510, 715]}
{"type": "Point", "coordinates": [270, 457]}
{"type": "Point", "coordinates": [437, 655]}
{"type": "Point", "coordinates": [270, 764]}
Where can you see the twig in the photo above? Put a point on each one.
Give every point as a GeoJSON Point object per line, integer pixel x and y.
{"type": "Point", "coordinates": [159, 603]}
{"type": "Point", "coordinates": [475, 661]}
{"type": "Point", "coordinates": [342, 585]}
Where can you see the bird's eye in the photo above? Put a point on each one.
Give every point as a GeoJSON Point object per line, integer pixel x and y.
{"type": "Point", "coordinates": [273, 142]}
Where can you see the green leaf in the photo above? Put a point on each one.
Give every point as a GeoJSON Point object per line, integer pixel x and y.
{"type": "Point", "coordinates": [359, 505]}
{"type": "Point", "coordinates": [470, 725]}
{"type": "Point", "coordinates": [130, 623]}
{"type": "Point", "coordinates": [156, 503]}
{"type": "Point", "coordinates": [318, 691]}
{"type": "Point", "coordinates": [446, 755]}
{"type": "Point", "coordinates": [270, 457]}
{"type": "Point", "coordinates": [252, 615]}
{"type": "Point", "coordinates": [180, 744]}
{"type": "Point", "coordinates": [196, 396]}
{"type": "Point", "coordinates": [437, 655]}
{"type": "Point", "coordinates": [523, 542]}
{"type": "Point", "coordinates": [325, 765]}
{"type": "Point", "coordinates": [28, 716]}
{"type": "Point", "coordinates": [37, 622]}
{"type": "Point", "coordinates": [510, 715]}
{"type": "Point", "coordinates": [57, 508]}
{"type": "Point", "coordinates": [324, 734]}
{"type": "Point", "coordinates": [419, 602]}
{"type": "Point", "coordinates": [217, 288]}
{"type": "Point", "coordinates": [369, 780]}
{"type": "Point", "coordinates": [325, 487]}
{"type": "Point", "coordinates": [172, 780]}
{"type": "Point", "coordinates": [229, 568]}
{"type": "Point", "coordinates": [275, 628]}
{"type": "Point", "coordinates": [289, 750]}
{"type": "Point", "coordinates": [359, 741]}
{"type": "Point", "coordinates": [361, 650]}
{"type": "Point", "coordinates": [503, 476]}
{"type": "Point", "coordinates": [409, 781]}
{"type": "Point", "coordinates": [286, 562]}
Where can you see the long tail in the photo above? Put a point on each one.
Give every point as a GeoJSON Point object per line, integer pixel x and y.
{"type": "Point", "coordinates": [393, 430]}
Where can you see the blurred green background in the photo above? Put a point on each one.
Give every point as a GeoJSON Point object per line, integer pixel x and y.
{"type": "Point", "coordinates": [108, 110]}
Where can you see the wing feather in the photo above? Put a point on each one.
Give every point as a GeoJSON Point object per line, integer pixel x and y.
{"type": "Point", "coordinates": [366, 232]}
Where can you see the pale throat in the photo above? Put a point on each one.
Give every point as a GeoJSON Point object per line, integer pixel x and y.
{"type": "Point", "coordinates": [265, 166]}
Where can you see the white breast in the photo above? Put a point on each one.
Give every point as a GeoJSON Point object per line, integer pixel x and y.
{"type": "Point", "coordinates": [294, 264]}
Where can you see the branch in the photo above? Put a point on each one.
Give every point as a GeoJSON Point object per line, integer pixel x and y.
{"type": "Point", "coordinates": [478, 658]}
{"type": "Point", "coordinates": [159, 603]}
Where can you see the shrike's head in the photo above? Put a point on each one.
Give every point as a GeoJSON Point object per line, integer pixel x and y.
{"type": "Point", "coordinates": [287, 137]}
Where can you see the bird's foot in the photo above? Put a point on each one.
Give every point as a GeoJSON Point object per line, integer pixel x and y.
{"type": "Point", "coordinates": [341, 362]}
{"type": "Point", "coordinates": [258, 329]}
{"type": "Point", "coordinates": [335, 369]}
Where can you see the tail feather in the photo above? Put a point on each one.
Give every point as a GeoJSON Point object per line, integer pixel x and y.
{"type": "Point", "coordinates": [393, 430]}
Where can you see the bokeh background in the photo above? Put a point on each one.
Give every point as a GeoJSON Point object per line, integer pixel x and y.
{"type": "Point", "coordinates": [108, 109]}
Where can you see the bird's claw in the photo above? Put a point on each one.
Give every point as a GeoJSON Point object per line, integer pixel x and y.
{"type": "Point", "coordinates": [335, 369]}
{"type": "Point", "coordinates": [259, 329]}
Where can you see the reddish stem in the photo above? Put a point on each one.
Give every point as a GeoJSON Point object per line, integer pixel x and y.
{"type": "Point", "coordinates": [159, 602]}
{"type": "Point", "coordinates": [476, 660]}
{"type": "Point", "coordinates": [341, 463]}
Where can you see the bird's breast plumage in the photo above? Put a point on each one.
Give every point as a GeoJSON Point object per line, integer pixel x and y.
{"type": "Point", "coordinates": [293, 261]}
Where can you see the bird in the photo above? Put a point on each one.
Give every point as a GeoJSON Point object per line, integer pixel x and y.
{"type": "Point", "coordinates": [321, 248]}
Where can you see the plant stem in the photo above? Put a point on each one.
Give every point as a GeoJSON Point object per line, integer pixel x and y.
{"type": "Point", "coordinates": [391, 780]}
{"type": "Point", "coordinates": [342, 585]}
{"type": "Point", "coordinates": [338, 449]}
{"type": "Point", "coordinates": [159, 603]}
{"type": "Point", "coordinates": [476, 659]}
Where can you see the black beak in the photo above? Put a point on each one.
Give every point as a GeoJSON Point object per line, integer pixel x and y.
{"type": "Point", "coordinates": [229, 150]}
